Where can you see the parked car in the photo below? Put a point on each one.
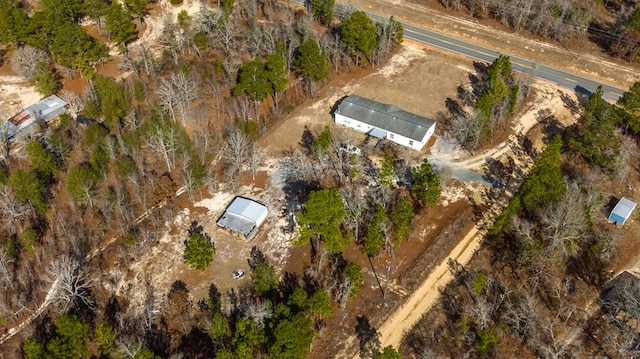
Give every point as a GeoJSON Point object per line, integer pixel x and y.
{"type": "Point", "coordinates": [350, 149]}
{"type": "Point", "coordinates": [238, 273]}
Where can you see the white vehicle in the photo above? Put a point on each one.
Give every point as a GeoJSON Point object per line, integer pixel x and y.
{"type": "Point", "coordinates": [238, 273]}
{"type": "Point", "coordinates": [350, 149]}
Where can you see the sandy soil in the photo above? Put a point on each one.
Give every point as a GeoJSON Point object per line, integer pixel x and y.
{"type": "Point", "coordinates": [15, 94]}
{"type": "Point", "coordinates": [416, 79]}
{"type": "Point", "coordinates": [425, 296]}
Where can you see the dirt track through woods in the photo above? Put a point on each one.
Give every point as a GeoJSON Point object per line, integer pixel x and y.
{"type": "Point", "coordinates": [426, 295]}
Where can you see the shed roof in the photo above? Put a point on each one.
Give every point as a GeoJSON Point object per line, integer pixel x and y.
{"type": "Point", "coordinates": [385, 116]}
{"type": "Point", "coordinates": [247, 208]}
{"type": "Point", "coordinates": [622, 211]}
{"type": "Point", "coordinates": [243, 215]}
{"type": "Point", "coordinates": [46, 107]}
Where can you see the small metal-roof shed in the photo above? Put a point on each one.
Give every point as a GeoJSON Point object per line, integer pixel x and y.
{"type": "Point", "coordinates": [622, 211]}
{"type": "Point", "coordinates": [48, 108]}
{"type": "Point", "coordinates": [244, 216]}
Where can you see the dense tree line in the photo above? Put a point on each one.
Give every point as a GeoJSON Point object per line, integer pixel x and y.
{"type": "Point", "coordinates": [534, 288]}
{"type": "Point", "coordinates": [614, 25]}
{"type": "Point", "coordinates": [143, 138]}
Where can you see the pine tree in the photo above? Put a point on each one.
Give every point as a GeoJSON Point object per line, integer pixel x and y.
{"type": "Point", "coordinates": [322, 10]}
{"type": "Point", "coordinates": [310, 62]}
{"type": "Point", "coordinates": [545, 183]}
{"type": "Point", "coordinates": [320, 219]}
{"type": "Point", "coordinates": [253, 80]}
{"type": "Point", "coordinates": [45, 79]}
{"type": "Point", "coordinates": [401, 218]}
{"type": "Point", "coordinates": [277, 75]}
{"type": "Point", "coordinates": [359, 34]}
{"type": "Point", "coordinates": [374, 240]}
{"type": "Point", "coordinates": [387, 171]}
{"type": "Point", "coordinates": [29, 189]}
{"type": "Point", "coordinates": [353, 272]}
{"type": "Point", "coordinates": [425, 186]}
{"type": "Point", "coordinates": [630, 103]}
{"type": "Point", "coordinates": [199, 252]}
{"type": "Point", "coordinates": [119, 24]}
{"type": "Point", "coordinates": [594, 137]}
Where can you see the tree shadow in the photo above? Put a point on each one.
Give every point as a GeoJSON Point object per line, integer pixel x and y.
{"type": "Point", "coordinates": [454, 107]}
{"type": "Point", "coordinates": [197, 344]}
{"type": "Point", "coordinates": [256, 257]}
{"type": "Point", "coordinates": [582, 94]}
{"type": "Point", "coordinates": [288, 283]}
{"type": "Point", "coordinates": [589, 267]}
{"type": "Point", "coordinates": [335, 106]}
{"type": "Point", "coordinates": [178, 286]}
{"type": "Point", "coordinates": [307, 140]}
{"type": "Point", "coordinates": [45, 329]}
{"type": "Point", "coordinates": [111, 311]}
{"type": "Point", "coordinates": [368, 337]}
{"type": "Point", "coordinates": [297, 183]}
{"type": "Point", "coordinates": [477, 79]}
{"type": "Point", "coordinates": [607, 208]}
{"type": "Point", "coordinates": [551, 126]}
{"type": "Point", "coordinates": [600, 35]}
{"type": "Point", "coordinates": [495, 172]}
{"type": "Point", "coordinates": [569, 102]}
{"type": "Point", "coordinates": [214, 302]}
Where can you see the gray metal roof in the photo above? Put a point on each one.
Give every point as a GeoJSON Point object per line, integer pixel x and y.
{"type": "Point", "coordinates": [384, 116]}
{"type": "Point", "coordinates": [243, 215]}
{"type": "Point", "coordinates": [247, 208]}
{"type": "Point", "coordinates": [48, 108]}
{"type": "Point", "coordinates": [623, 208]}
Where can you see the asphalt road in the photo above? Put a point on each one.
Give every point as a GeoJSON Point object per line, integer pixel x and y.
{"type": "Point", "coordinates": [564, 79]}
{"type": "Point", "coordinates": [581, 85]}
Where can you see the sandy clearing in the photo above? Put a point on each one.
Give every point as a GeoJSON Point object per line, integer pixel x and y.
{"type": "Point", "coordinates": [548, 98]}
{"type": "Point", "coordinates": [15, 94]}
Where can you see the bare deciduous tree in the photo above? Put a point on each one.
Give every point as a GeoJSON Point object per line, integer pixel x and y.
{"type": "Point", "coordinates": [13, 212]}
{"type": "Point", "coordinates": [564, 223]}
{"type": "Point", "coordinates": [6, 272]}
{"type": "Point", "coordinates": [238, 149]}
{"type": "Point", "coordinates": [69, 283]}
{"type": "Point", "coordinates": [176, 94]}
{"type": "Point", "coordinates": [25, 60]}
{"type": "Point", "coordinates": [73, 99]}
{"type": "Point", "coordinates": [167, 97]}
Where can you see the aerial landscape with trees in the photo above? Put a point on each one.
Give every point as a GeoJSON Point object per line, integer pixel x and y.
{"type": "Point", "coordinates": [108, 248]}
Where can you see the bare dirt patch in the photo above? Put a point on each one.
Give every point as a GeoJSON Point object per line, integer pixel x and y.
{"type": "Point", "coordinates": [414, 79]}
{"type": "Point", "coordinates": [15, 92]}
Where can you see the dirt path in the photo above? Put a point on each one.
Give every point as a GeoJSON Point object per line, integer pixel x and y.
{"type": "Point", "coordinates": [426, 295]}
{"type": "Point", "coordinates": [45, 304]}
{"type": "Point", "coordinates": [11, 332]}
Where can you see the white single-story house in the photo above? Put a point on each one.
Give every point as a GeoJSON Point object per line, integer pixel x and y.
{"type": "Point", "coordinates": [46, 110]}
{"type": "Point", "coordinates": [244, 216]}
{"type": "Point", "coordinates": [384, 121]}
{"type": "Point", "coordinates": [622, 211]}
